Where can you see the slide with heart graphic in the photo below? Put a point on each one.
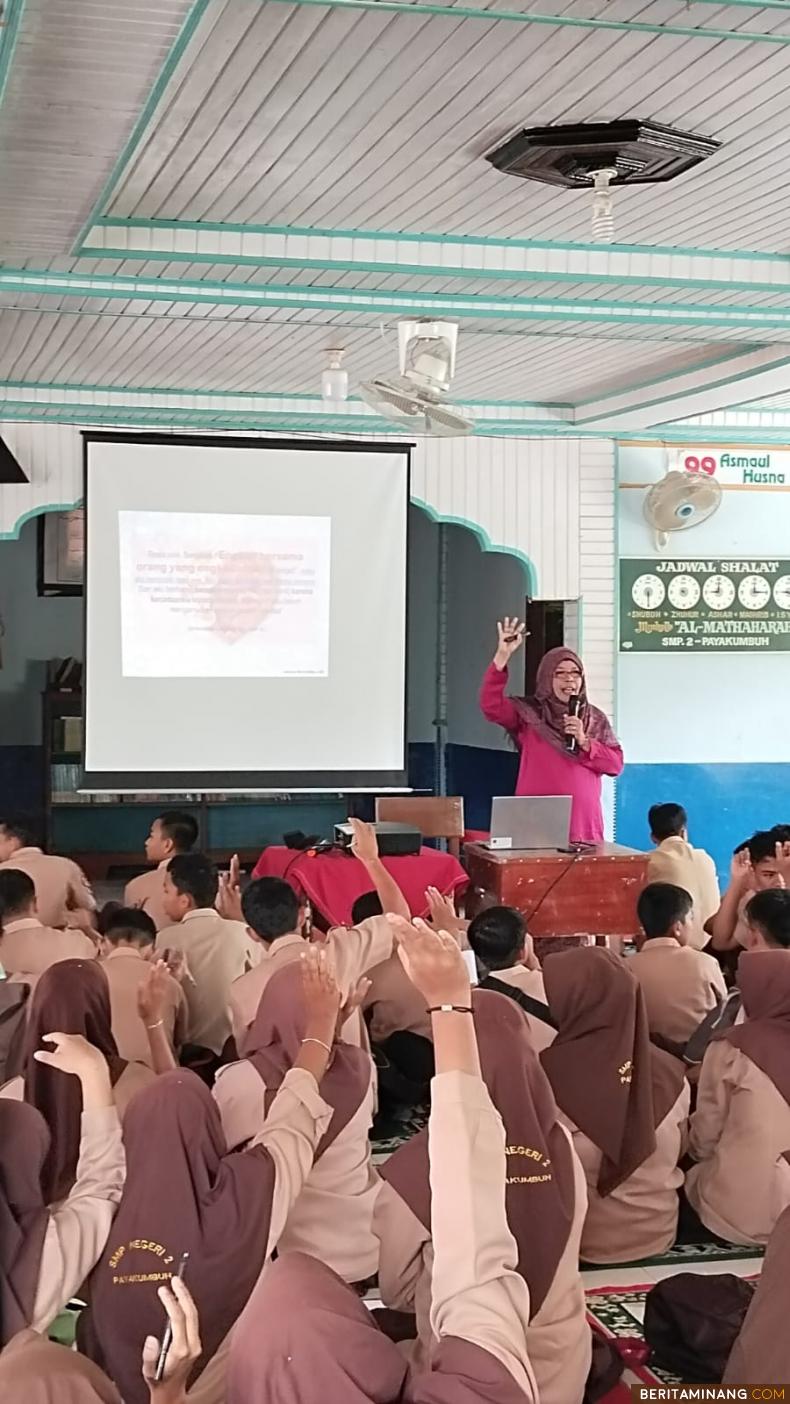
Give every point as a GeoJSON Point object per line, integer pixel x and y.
{"type": "Point", "coordinates": [224, 595]}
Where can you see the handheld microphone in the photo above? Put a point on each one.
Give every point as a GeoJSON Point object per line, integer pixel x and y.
{"type": "Point", "coordinates": [574, 707]}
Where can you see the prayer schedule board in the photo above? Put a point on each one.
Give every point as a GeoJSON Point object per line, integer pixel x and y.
{"type": "Point", "coordinates": [704, 605]}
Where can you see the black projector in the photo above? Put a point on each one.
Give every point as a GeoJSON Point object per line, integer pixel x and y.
{"type": "Point", "coordinates": [395, 840]}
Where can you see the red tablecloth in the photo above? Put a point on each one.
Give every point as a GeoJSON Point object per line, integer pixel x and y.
{"type": "Point", "coordinates": [333, 881]}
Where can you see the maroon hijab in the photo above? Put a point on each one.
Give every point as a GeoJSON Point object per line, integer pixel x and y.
{"type": "Point", "coordinates": [607, 1077]}
{"type": "Point", "coordinates": [24, 1143]}
{"type": "Point", "coordinates": [544, 711]}
{"type": "Point", "coordinates": [306, 1338]}
{"type": "Point", "coordinates": [540, 1195]}
{"type": "Point", "coordinates": [275, 1038]}
{"type": "Point", "coordinates": [183, 1193]}
{"type": "Point", "coordinates": [34, 1370]}
{"type": "Point", "coordinates": [764, 983]}
{"type": "Point", "coordinates": [71, 997]}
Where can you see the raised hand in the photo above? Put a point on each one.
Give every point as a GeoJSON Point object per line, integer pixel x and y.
{"type": "Point", "coordinates": [152, 993]}
{"type": "Point", "coordinates": [741, 871]}
{"type": "Point", "coordinates": [511, 634]}
{"type": "Point", "coordinates": [364, 844]}
{"type": "Point", "coordinates": [229, 894]}
{"type": "Point", "coordinates": [72, 1054]}
{"type": "Point", "coordinates": [433, 962]}
{"type": "Point", "coordinates": [442, 915]}
{"type": "Point", "coordinates": [321, 992]}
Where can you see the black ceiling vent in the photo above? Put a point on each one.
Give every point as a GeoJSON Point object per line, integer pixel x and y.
{"type": "Point", "coordinates": [640, 153]}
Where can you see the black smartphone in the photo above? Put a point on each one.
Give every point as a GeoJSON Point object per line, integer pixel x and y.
{"type": "Point", "coordinates": [167, 1339]}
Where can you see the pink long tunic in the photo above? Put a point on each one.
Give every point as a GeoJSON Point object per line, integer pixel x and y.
{"type": "Point", "coordinates": [544, 771]}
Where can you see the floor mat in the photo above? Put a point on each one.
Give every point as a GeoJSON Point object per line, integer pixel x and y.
{"type": "Point", "coordinates": [685, 1255]}
{"type": "Point", "coordinates": [618, 1313]}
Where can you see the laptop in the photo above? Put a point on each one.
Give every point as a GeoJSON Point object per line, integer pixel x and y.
{"type": "Point", "coordinates": [530, 821]}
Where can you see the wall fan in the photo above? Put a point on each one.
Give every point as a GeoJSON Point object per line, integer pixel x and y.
{"type": "Point", "coordinates": [679, 501]}
{"type": "Point", "coordinates": [416, 396]}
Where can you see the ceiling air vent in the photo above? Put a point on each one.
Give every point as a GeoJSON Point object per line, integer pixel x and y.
{"type": "Point", "coordinates": [637, 153]}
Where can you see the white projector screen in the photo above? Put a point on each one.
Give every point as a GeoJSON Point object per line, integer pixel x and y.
{"type": "Point", "coordinates": [245, 614]}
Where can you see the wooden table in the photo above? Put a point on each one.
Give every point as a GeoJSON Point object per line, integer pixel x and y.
{"type": "Point", "coordinates": [592, 893]}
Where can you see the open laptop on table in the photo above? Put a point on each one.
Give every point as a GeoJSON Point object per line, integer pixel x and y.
{"type": "Point", "coordinates": [530, 821]}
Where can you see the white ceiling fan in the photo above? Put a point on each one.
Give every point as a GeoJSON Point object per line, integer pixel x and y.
{"type": "Point", "coordinates": [416, 396]}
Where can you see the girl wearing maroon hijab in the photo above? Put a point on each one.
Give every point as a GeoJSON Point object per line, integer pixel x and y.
{"type": "Point", "coordinates": [332, 1218]}
{"type": "Point", "coordinates": [546, 1199]}
{"type": "Point", "coordinates": [185, 1193]}
{"type": "Point", "coordinates": [306, 1338]}
{"type": "Point", "coordinates": [541, 725]}
{"type": "Point", "coordinates": [46, 1254]}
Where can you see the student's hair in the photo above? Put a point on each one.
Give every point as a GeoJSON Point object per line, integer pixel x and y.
{"type": "Point", "coordinates": [770, 911]}
{"type": "Point", "coordinates": [18, 829]}
{"type": "Point", "coordinates": [365, 907]}
{"type": "Point", "coordinates": [667, 820]}
{"type": "Point", "coordinates": [194, 876]}
{"type": "Point", "coordinates": [660, 905]}
{"type": "Point", "coordinates": [17, 892]}
{"type": "Point", "coordinates": [497, 937]}
{"type": "Point", "coordinates": [270, 907]}
{"type": "Point", "coordinates": [128, 924]}
{"type": "Point", "coordinates": [180, 828]}
{"type": "Point", "coordinates": [762, 845]}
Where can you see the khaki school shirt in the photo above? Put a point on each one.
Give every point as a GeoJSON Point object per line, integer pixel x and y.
{"type": "Point", "coordinates": [61, 886]}
{"type": "Point", "coordinates": [680, 985]}
{"type": "Point", "coordinates": [675, 861]}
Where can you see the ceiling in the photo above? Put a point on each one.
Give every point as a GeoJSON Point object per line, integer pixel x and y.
{"type": "Point", "coordinates": [198, 199]}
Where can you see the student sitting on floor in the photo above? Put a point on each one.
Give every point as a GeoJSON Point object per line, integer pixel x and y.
{"type": "Point", "coordinates": [63, 893]}
{"type": "Point", "coordinates": [680, 984]}
{"type": "Point", "coordinates": [675, 861]}
{"type": "Point", "coordinates": [505, 957]}
{"type": "Point", "coordinates": [127, 945]}
{"type": "Point", "coordinates": [755, 867]}
{"type": "Point", "coordinates": [624, 1101]}
{"type": "Point", "coordinates": [741, 1127]}
{"type": "Point", "coordinates": [217, 951]}
{"type": "Point", "coordinates": [761, 1354]}
{"type": "Point", "coordinates": [27, 947]}
{"type": "Point", "coordinates": [172, 833]}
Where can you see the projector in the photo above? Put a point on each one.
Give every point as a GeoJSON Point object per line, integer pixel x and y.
{"type": "Point", "coordinates": [395, 840]}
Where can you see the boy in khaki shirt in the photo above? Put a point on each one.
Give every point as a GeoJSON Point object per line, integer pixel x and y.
{"type": "Point", "coordinates": [675, 861]}
{"type": "Point", "coordinates": [63, 893]}
{"type": "Point", "coordinates": [680, 984]}
{"type": "Point", "coordinates": [171, 833]}
{"type": "Point", "coordinates": [27, 947]}
{"type": "Point", "coordinates": [127, 946]}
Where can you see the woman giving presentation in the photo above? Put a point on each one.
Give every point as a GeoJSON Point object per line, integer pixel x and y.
{"type": "Point", "coordinates": [541, 725]}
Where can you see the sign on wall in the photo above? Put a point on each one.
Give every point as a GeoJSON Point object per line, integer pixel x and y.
{"type": "Point", "coordinates": [738, 467]}
{"type": "Point", "coordinates": [704, 605]}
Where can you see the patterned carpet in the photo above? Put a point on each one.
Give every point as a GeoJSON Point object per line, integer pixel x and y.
{"type": "Point", "coordinates": [683, 1256]}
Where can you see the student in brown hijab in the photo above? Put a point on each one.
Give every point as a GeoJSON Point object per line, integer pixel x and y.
{"type": "Point", "coordinates": [306, 1338]}
{"type": "Point", "coordinates": [332, 1218]}
{"type": "Point", "coordinates": [625, 1102]}
{"type": "Point", "coordinates": [741, 1127]}
{"type": "Point", "coordinates": [38, 1371]}
{"type": "Point", "coordinates": [71, 997]}
{"type": "Point", "coordinates": [46, 1254]}
{"type": "Point", "coordinates": [185, 1192]}
{"type": "Point", "coordinates": [761, 1354]}
{"type": "Point", "coordinates": [546, 1198]}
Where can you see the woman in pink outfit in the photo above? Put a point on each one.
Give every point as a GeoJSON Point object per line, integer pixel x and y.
{"type": "Point", "coordinates": [541, 725]}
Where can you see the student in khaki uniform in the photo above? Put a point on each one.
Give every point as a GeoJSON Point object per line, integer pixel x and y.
{"type": "Point", "coordinates": [680, 984]}
{"type": "Point", "coordinates": [63, 893]}
{"type": "Point", "coordinates": [624, 1101]}
{"type": "Point", "coordinates": [275, 920]}
{"type": "Point", "coordinates": [675, 861]}
{"type": "Point", "coordinates": [741, 1127]}
{"type": "Point", "coordinates": [755, 867]}
{"type": "Point", "coordinates": [306, 1334]}
{"type": "Point", "coordinates": [127, 946]}
{"type": "Point", "coordinates": [217, 951]}
{"type": "Point", "coordinates": [185, 1192]}
{"type": "Point", "coordinates": [505, 955]}
{"type": "Point", "coordinates": [71, 997]}
{"type": "Point", "coordinates": [172, 833]}
{"type": "Point", "coordinates": [332, 1219]}
{"type": "Point", "coordinates": [546, 1200]}
{"type": "Point", "coordinates": [27, 947]}
{"type": "Point", "coordinates": [46, 1253]}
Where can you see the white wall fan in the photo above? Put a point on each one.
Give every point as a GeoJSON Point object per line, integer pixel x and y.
{"type": "Point", "coordinates": [417, 395]}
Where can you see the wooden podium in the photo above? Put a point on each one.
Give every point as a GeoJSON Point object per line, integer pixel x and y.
{"type": "Point", "coordinates": [592, 893]}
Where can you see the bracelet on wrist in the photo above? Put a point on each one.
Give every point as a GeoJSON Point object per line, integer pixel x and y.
{"type": "Point", "coordinates": [157, 1025]}
{"type": "Point", "coordinates": [326, 1046]}
{"type": "Point", "coordinates": [450, 1009]}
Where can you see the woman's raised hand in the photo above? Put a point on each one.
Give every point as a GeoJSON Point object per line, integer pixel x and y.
{"type": "Point", "coordinates": [511, 635]}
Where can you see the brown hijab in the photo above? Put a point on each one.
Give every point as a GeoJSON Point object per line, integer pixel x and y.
{"type": "Point", "coordinates": [544, 711]}
{"type": "Point", "coordinates": [608, 1078]}
{"type": "Point", "coordinates": [306, 1338]}
{"type": "Point", "coordinates": [539, 1191]}
{"type": "Point", "coordinates": [183, 1193]}
{"type": "Point", "coordinates": [24, 1143]}
{"type": "Point", "coordinates": [37, 1371]}
{"type": "Point", "coordinates": [71, 997]}
{"type": "Point", "coordinates": [761, 1354]}
{"type": "Point", "coordinates": [764, 983]}
{"type": "Point", "coordinates": [272, 1046]}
